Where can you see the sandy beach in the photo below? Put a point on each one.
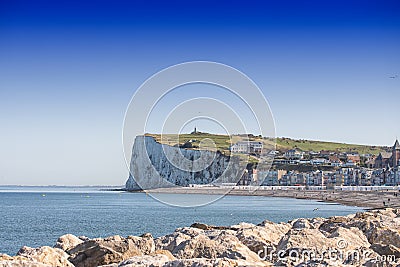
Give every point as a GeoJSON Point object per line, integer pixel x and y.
{"type": "Point", "coordinates": [366, 199]}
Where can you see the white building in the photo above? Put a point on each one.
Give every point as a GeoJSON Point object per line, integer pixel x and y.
{"type": "Point", "coordinates": [247, 147]}
{"type": "Point", "coordinates": [294, 154]}
{"type": "Point", "coordinates": [319, 161]}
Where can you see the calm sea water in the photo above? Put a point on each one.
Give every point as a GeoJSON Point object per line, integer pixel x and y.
{"type": "Point", "coordinates": [38, 216]}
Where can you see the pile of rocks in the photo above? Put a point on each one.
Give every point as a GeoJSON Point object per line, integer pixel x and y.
{"type": "Point", "coordinates": [362, 239]}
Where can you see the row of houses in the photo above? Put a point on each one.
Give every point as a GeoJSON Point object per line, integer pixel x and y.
{"type": "Point", "coordinates": [376, 171]}
{"type": "Point", "coordinates": [317, 162]}
{"type": "Point", "coordinates": [332, 158]}
{"type": "Point", "coordinates": [294, 156]}
{"type": "Point", "coordinates": [340, 177]}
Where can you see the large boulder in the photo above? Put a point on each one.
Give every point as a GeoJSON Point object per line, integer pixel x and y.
{"type": "Point", "coordinates": [198, 247]}
{"type": "Point", "coordinates": [262, 237]}
{"type": "Point", "coordinates": [275, 231]}
{"type": "Point", "coordinates": [385, 236]}
{"type": "Point", "coordinates": [109, 250]}
{"type": "Point", "coordinates": [349, 238]}
{"type": "Point", "coordinates": [224, 245]}
{"type": "Point", "coordinates": [301, 239]}
{"type": "Point", "coordinates": [46, 255]}
{"type": "Point", "coordinates": [311, 247]}
{"type": "Point", "coordinates": [145, 243]}
{"type": "Point", "coordinates": [332, 223]}
{"type": "Point", "coordinates": [67, 242]}
{"type": "Point", "coordinates": [370, 223]}
{"type": "Point", "coordinates": [171, 241]}
{"type": "Point", "coordinates": [19, 261]}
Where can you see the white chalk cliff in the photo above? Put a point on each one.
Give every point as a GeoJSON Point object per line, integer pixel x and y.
{"type": "Point", "coordinates": [155, 165]}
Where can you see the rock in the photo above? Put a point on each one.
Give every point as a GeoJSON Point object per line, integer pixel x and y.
{"type": "Point", "coordinates": [311, 247]}
{"type": "Point", "coordinates": [231, 248]}
{"type": "Point", "coordinates": [156, 259]}
{"type": "Point", "coordinates": [385, 236]}
{"type": "Point", "coordinates": [200, 262]}
{"type": "Point", "coordinates": [198, 247]}
{"type": "Point", "coordinates": [349, 238]}
{"type": "Point", "coordinates": [302, 224]}
{"type": "Point", "coordinates": [46, 255]}
{"type": "Point", "coordinates": [275, 230]}
{"type": "Point", "coordinates": [164, 252]}
{"type": "Point", "coordinates": [145, 243]}
{"type": "Point", "coordinates": [83, 238]}
{"type": "Point", "coordinates": [170, 242]}
{"type": "Point", "coordinates": [5, 257]}
{"type": "Point", "coordinates": [332, 223]}
{"type": "Point", "coordinates": [259, 238]}
{"type": "Point", "coordinates": [322, 263]}
{"type": "Point", "coordinates": [67, 242]}
{"type": "Point", "coordinates": [21, 263]}
{"type": "Point", "coordinates": [386, 250]}
{"type": "Point", "coordinates": [388, 212]}
{"type": "Point", "coordinates": [190, 231]}
{"type": "Point", "coordinates": [388, 262]}
{"type": "Point", "coordinates": [18, 261]}
{"type": "Point", "coordinates": [303, 239]}
{"type": "Point", "coordinates": [367, 226]}
{"type": "Point", "coordinates": [264, 236]}
{"type": "Point", "coordinates": [145, 261]}
{"type": "Point", "coordinates": [109, 250]}
{"type": "Point", "coordinates": [243, 225]}
{"type": "Point", "coordinates": [203, 226]}
{"type": "Point", "coordinates": [224, 245]}
{"type": "Point", "coordinates": [224, 262]}
{"type": "Point", "coordinates": [317, 222]}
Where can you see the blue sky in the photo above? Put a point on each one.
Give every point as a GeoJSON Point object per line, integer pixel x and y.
{"type": "Point", "coordinates": [68, 70]}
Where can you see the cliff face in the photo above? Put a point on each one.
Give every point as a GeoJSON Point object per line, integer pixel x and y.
{"type": "Point", "coordinates": [155, 165]}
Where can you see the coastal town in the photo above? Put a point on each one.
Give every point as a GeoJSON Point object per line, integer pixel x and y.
{"type": "Point", "coordinates": [294, 167]}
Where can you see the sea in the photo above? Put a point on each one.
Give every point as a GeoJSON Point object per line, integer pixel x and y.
{"type": "Point", "coordinates": [37, 216]}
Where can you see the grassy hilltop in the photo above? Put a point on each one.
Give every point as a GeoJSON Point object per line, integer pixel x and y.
{"type": "Point", "coordinates": [223, 142]}
{"type": "Point", "coordinates": [309, 145]}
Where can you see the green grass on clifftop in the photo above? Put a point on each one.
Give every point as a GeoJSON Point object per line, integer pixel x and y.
{"type": "Point", "coordinates": [309, 145]}
{"type": "Point", "coordinates": [223, 142]}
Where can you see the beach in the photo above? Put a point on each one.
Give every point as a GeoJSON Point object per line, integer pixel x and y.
{"type": "Point", "coordinates": [366, 199]}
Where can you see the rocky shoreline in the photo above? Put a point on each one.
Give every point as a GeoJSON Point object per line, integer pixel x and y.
{"type": "Point", "coordinates": [362, 239]}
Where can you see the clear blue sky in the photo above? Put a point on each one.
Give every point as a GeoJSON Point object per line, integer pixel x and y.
{"type": "Point", "coordinates": [69, 68]}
